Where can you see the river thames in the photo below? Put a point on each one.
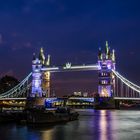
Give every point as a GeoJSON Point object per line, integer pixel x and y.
{"type": "Point", "coordinates": [92, 125]}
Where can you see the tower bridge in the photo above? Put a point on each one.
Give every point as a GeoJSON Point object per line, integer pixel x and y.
{"type": "Point", "coordinates": [111, 83]}
{"type": "Point", "coordinates": [41, 72]}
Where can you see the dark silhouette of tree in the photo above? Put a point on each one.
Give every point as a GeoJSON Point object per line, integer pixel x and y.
{"type": "Point", "coordinates": [7, 83]}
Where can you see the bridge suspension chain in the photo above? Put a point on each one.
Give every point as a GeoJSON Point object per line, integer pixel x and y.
{"type": "Point", "coordinates": [18, 89]}
{"type": "Point", "coordinates": [126, 80]}
{"type": "Point", "coordinates": [129, 85]}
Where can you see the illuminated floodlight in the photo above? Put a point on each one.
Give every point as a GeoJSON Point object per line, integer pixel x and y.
{"type": "Point", "coordinates": [81, 67]}
{"type": "Point", "coordinates": [109, 66]}
{"type": "Point", "coordinates": [82, 98]}
{"type": "Point", "coordinates": [99, 67]}
{"type": "Point", "coordinates": [51, 99]}
{"type": "Point", "coordinates": [50, 69]}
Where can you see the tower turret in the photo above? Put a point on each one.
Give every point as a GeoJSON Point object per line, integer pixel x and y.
{"type": "Point", "coordinates": [42, 56]}
{"type": "Point", "coordinates": [100, 57]}
{"type": "Point", "coordinates": [113, 55]}
{"type": "Point", "coordinates": [109, 53]}
{"type": "Point", "coordinates": [106, 50]}
{"type": "Point", "coordinates": [47, 61]}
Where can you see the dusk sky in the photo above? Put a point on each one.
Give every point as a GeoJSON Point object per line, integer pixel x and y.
{"type": "Point", "coordinates": [71, 31]}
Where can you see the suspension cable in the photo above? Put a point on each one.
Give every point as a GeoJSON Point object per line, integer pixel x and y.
{"type": "Point", "coordinates": [125, 81]}
{"type": "Point", "coordinates": [115, 72]}
{"type": "Point", "coordinates": [11, 91]}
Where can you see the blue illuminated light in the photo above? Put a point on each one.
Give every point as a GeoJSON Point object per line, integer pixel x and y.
{"type": "Point", "coordinates": [99, 67]}
{"type": "Point", "coordinates": [109, 66]}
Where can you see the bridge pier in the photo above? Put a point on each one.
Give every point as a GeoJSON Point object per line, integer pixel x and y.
{"type": "Point", "coordinates": [117, 104]}
{"type": "Point", "coordinates": [107, 103]}
{"type": "Point", "coordinates": [35, 102]}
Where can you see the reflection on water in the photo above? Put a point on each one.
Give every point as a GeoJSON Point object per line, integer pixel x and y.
{"type": "Point", "coordinates": [92, 125]}
{"type": "Point", "coordinates": [103, 125]}
{"type": "Point", "coordinates": [47, 135]}
{"type": "Point", "coordinates": [106, 125]}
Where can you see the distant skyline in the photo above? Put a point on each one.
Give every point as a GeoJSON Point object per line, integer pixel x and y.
{"type": "Point", "coordinates": [70, 31]}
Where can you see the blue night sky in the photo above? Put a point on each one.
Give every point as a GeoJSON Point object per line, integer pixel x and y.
{"type": "Point", "coordinates": [70, 30]}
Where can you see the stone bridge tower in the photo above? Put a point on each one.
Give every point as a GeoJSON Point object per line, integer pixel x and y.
{"type": "Point", "coordinates": [40, 79]}
{"type": "Point", "coordinates": [106, 62]}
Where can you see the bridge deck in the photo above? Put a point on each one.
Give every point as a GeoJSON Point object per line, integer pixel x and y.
{"type": "Point", "coordinates": [125, 98]}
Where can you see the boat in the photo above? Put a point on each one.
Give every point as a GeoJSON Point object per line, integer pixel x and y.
{"type": "Point", "coordinates": [42, 115]}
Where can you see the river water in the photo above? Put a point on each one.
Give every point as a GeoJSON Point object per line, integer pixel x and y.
{"type": "Point", "coordinates": [92, 125]}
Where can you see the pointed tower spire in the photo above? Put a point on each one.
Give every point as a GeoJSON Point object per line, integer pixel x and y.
{"type": "Point", "coordinates": [106, 49]}
{"type": "Point", "coordinates": [42, 56]}
{"type": "Point", "coordinates": [113, 55]}
{"type": "Point", "coordinates": [100, 54]}
{"type": "Point", "coordinates": [47, 63]}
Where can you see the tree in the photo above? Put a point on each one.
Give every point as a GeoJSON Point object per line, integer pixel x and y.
{"type": "Point", "coordinates": [7, 83]}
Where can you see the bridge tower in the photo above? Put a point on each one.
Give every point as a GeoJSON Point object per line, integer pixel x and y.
{"type": "Point", "coordinates": [106, 62]}
{"type": "Point", "coordinates": [40, 79]}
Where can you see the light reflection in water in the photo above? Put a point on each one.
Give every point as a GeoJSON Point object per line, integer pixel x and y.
{"type": "Point", "coordinates": [92, 125]}
{"type": "Point", "coordinates": [107, 123]}
{"type": "Point", "coordinates": [103, 125]}
{"type": "Point", "coordinates": [47, 135]}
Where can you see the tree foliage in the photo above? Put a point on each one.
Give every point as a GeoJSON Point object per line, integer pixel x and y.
{"type": "Point", "coordinates": [7, 83]}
